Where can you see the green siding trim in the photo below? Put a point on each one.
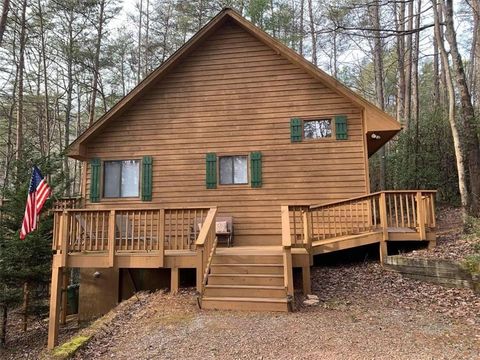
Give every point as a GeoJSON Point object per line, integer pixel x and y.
{"type": "Point", "coordinates": [147, 163]}
{"type": "Point", "coordinates": [256, 169]}
{"type": "Point", "coordinates": [341, 129]}
{"type": "Point", "coordinates": [296, 129]}
{"type": "Point", "coordinates": [95, 180]}
{"type": "Point", "coordinates": [211, 171]}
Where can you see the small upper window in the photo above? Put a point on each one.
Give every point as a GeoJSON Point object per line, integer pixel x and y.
{"type": "Point", "coordinates": [121, 178]}
{"type": "Point", "coordinates": [233, 170]}
{"type": "Point", "coordinates": [317, 129]}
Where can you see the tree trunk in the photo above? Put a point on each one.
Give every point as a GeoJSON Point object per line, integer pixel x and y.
{"type": "Point", "coordinates": [374, 10]}
{"type": "Point", "coordinates": [3, 325]}
{"type": "Point", "coordinates": [415, 116]}
{"type": "Point", "coordinates": [302, 5]}
{"type": "Point", "coordinates": [313, 37]}
{"type": "Point", "coordinates": [470, 129]}
{"type": "Point", "coordinates": [475, 55]}
{"type": "Point", "coordinates": [139, 57]}
{"type": "Point", "coordinates": [26, 298]}
{"type": "Point", "coordinates": [68, 105]}
{"type": "Point", "coordinates": [408, 67]}
{"type": "Point", "coordinates": [400, 19]}
{"type": "Point", "coordinates": [459, 156]}
{"type": "Point", "coordinates": [21, 68]}
{"type": "Point", "coordinates": [147, 40]}
{"type": "Point", "coordinates": [45, 80]}
{"type": "Point", "coordinates": [96, 65]}
{"type": "Point", "coordinates": [3, 19]}
{"type": "Point", "coordinates": [436, 75]}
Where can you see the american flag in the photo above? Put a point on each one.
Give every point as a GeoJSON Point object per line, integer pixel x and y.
{"type": "Point", "coordinates": [38, 193]}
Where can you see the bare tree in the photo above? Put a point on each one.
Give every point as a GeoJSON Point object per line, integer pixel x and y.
{"type": "Point", "coordinates": [470, 129]}
{"type": "Point", "coordinates": [374, 10]}
{"type": "Point", "coordinates": [96, 63]}
{"type": "Point", "coordinates": [3, 18]}
{"type": "Point", "coordinates": [462, 180]}
{"type": "Point", "coordinates": [313, 35]}
{"type": "Point", "coordinates": [21, 69]}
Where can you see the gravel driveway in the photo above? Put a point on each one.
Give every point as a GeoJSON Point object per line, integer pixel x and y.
{"type": "Point", "coordinates": [365, 313]}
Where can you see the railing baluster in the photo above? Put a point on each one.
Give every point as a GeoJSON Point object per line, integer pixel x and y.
{"type": "Point", "coordinates": [414, 210]}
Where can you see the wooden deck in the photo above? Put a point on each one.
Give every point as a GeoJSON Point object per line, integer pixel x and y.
{"type": "Point", "coordinates": [241, 277]}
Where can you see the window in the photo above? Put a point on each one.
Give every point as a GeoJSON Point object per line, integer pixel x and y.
{"type": "Point", "coordinates": [317, 129]}
{"type": "Point", "coordinates": [121, 178]}
{"type": "Point", "coordinates": [233, 170]}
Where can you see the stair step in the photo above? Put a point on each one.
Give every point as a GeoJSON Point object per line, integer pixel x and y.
{"type": "Point", "coordinates": [247, 259]}
{"type": "Point", "coordinates": [254, 291]}
{"type": "Point", "coordinates": [245, 303]}
{"type": "Point", "coordinates": [245, 279]}
{"type": "Point", "coordinates": [247, 269]}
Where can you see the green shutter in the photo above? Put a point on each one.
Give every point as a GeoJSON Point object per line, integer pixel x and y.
{"type": "Point", "coordinates": [147, 178]}
{"type": "Point", "coordinates": [256, 169]}
{"type": "Point", "coordinates": [211, 171]}
{"type": "Point", "coordinates": [95, 180]}
{"type": "Point", "coordinates": [296, 130]}
{"type": "Point", "coordinates": [341, 129]}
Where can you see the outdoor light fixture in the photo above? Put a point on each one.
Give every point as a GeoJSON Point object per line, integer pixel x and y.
{"type": "Point", "coordinates": [96, 274]}
{"type": "Point", "coordinates": [375, 136]}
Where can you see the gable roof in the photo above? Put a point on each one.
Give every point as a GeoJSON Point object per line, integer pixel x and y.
{"type": "Point", "coordinates": [376, 119]}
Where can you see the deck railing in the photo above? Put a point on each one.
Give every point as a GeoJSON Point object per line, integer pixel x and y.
{"type": "Point", "coordinates": [386, 210]}
{"type": "Point", "coordinates": [115, 231]}
{"type": "Point", "coordinates": [68, 203]}
{"type": "Point", "coordinates": [206, 245]}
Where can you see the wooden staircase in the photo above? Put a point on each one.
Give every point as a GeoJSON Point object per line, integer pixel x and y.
{"type": "Point", "coordinates": [246, 281]}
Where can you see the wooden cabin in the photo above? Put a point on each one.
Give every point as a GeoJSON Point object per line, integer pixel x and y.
{"type": "Point", "coordinates": [233, 126]}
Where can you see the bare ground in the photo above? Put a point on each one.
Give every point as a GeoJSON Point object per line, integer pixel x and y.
{"type": "Point", "coordinates": [365, 312]}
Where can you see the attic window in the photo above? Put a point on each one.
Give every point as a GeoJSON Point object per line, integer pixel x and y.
{"type": "Point", "coordinates": [317, 129]}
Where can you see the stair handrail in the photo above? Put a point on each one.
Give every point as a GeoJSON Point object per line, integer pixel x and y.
{"type": "Point", "coordinates": [206, 244]}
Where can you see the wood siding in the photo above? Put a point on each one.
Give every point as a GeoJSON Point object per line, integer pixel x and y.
{"type": "Point", "coordinates": [235, 95]}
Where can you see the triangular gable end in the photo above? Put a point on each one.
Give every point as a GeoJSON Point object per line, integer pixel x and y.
{"type": "Point", "coordinates": [377, 121]}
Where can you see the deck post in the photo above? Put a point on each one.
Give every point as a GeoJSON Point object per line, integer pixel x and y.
{"type": "Point", "coordinates": [421, 216]}
{"type": "Point", "coordinates": [55, 295]}
{"type": "Point", "coordinates": [64, 240]}
{"type": "Point", "coordinates": [199, 268]}
{"type": "Point", "coordinates": [174, 280]}
{"type": "Point", "coordinates": [384, 223]}
{"type": "Point", "coordinates": [306, 282]}
{"type": "Point", "coordinates": [288, 269]}
{"type": "Point", "coordinates": [65, 280]}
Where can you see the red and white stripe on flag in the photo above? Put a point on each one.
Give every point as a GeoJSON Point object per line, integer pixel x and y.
{"type": "Point", "coordinates": [38, 193]}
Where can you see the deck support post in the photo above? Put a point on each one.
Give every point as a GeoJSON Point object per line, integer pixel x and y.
{"type": "Point", "coordinates": [65, 280]}
{"type": "Point", "coordinates": [174, 280]}
{"type": "Point", "coordinates": [199, 268]}
{"type": "Point", "coordinates": [306, 282]}
{"type": "Point", "coordinates": [55, 297]}
{"type": "Point", "coordinates": [384, 223]}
